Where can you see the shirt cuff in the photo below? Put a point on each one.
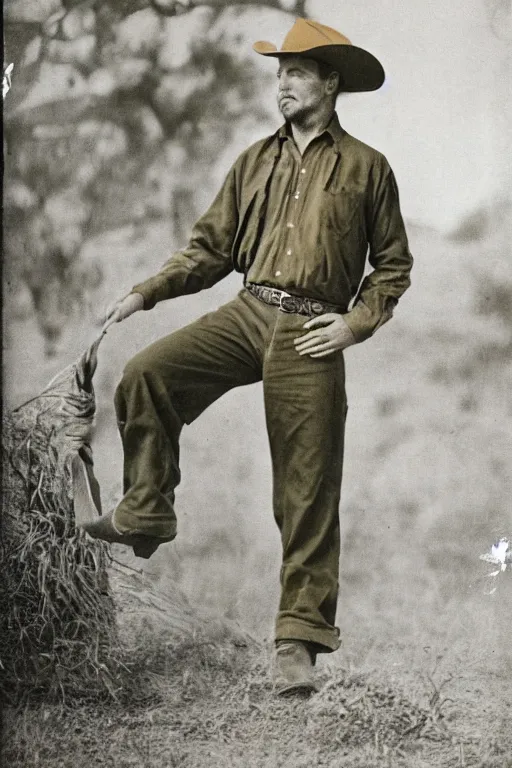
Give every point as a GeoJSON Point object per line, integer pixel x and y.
{"type": "Point", "coordinates": [147, 293]}
{"type": "Point", "coordinates": [360, 321]}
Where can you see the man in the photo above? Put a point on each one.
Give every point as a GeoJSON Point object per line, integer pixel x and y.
{"type": "Point", "coordinates": [295, 215]}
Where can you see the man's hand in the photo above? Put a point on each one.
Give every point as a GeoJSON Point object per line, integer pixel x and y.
{"type": "Point", "coordinates": [326, 334]}
{"type": "Point", "coordinates": [123, 309]}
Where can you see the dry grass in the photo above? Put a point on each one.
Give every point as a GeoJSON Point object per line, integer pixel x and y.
{"type": "Point", "coordinates": [57, 616]}
{"type": "Point", "coordinates": [209, 703]}
{"type": "Point", "coordinates": [58, 633]}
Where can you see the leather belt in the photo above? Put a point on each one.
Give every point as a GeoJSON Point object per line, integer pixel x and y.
{"type": "Point", "coordinates": [287, 302]}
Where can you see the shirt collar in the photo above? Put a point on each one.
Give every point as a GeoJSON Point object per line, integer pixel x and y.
{"type": "Point", "coordinates": [333, 129]}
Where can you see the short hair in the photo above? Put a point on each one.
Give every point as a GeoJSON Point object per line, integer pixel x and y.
{"type": "Point", "coordinates": [325, 69]}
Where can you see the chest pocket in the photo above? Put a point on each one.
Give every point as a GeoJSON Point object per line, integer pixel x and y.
{"type": "Point", "coordinates": [343, 209]}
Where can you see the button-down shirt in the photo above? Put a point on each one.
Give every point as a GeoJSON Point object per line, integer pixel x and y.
{"type": "Point", "coordinates": [304, 224]}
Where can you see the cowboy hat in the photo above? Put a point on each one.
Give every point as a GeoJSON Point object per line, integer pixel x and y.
{"type": "Point", "coordinates": [359, 70]}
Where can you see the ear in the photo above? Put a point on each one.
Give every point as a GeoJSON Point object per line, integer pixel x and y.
{"type": "Point", "coordinates": [332, 83]}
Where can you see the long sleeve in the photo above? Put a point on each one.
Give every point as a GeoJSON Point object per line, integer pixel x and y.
{"type": "Point", "coordinates": [207, 257]}
{"type": "Point", "coordinates": [389, 256]}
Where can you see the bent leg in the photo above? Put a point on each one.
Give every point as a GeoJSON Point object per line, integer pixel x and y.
{"type": "Point", "coordinates": [165, 386]}
{"type": "Point", "coordinates": [305, 405]}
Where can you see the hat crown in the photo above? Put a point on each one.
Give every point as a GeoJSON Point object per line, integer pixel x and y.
{"type": "Point", "coordinates": [359, 69]}
{"type": "Point", "coordinates": [306, 34]}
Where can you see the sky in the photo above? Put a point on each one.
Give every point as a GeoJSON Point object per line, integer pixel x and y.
{"type": "Point", "coordinates": [443, 117]}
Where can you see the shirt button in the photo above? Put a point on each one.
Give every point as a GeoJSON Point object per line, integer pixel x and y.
{"type": "Point", "coordinates": [278, 273]}
{"type": "Point", "coordinates": [289, 252]}
{"type": "Point", "coordinates": [296, 196]}
{"type": "Point", "coordinates": [290, 225]}
{"type": "Point", "coordinates": [303, 170]}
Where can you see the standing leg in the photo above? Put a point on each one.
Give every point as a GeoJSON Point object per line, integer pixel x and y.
{"type": "Point", "coordinates": [305, 406]}
{"type": "Point", "coordinates": [165, 386]}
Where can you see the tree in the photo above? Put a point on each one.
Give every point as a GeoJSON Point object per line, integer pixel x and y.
{"type": "Point", "coordinates": [108, 99]}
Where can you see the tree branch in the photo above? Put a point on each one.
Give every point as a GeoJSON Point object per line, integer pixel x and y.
{"type": "Point", "coordinates": [179, 7]}
{"type": "Point", "coordinates": [37, 13]}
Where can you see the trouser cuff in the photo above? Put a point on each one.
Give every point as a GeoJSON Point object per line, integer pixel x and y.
{"type": "Point", "coordinates": [159, 525]}
{"type": "Point", "coordinates": [325, 639]}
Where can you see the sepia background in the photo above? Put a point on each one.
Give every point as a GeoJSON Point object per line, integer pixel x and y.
{"type": "Point", "coordinates": [120, 124]}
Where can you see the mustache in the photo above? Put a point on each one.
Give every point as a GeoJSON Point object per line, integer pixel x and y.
{"type": "Point", "coordinates": [282, 96]}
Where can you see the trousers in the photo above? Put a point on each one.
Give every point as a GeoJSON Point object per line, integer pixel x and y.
{"type": "Point", "coordinates": [171, 382]}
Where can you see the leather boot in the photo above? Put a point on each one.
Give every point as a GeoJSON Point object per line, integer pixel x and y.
{"type": "Point", "coordinates": [293, 668]}
{"type": "Point", "coordinates": [104, 528]}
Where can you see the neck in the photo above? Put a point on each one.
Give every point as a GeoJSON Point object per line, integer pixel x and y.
{"type": "Point", "coordinates": [307, 127]}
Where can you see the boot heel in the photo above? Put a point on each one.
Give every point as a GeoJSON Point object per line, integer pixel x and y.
{"type": "Point", "coordinates": [145, 549]}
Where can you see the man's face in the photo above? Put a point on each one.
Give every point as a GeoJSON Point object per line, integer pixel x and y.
{"type": "Point", "coordinates": [301, 89]}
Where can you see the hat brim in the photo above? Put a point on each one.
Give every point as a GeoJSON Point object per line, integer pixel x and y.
{"type": "Point", "coordinates": [359, 69]}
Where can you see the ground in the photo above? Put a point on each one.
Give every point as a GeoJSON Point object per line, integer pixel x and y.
{"type": "Point", "coordinates": [209, 704]}
{"type": "Point", "coordinates": [423, 675]}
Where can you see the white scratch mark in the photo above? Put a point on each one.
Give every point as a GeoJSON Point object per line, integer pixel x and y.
{"type": "Point", "coordinates": [499, 551]}
{"type": "Point", "coordinates": [500, 554]}
{"type": "Point", "coordinates": [7, 80]}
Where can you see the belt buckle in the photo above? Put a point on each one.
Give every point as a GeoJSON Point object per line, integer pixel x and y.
{"type": "Point", "coordinates": [282, 308]}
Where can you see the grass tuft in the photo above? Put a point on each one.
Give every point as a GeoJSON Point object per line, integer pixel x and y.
{"type": "Point", "coordinates": [58, 634]}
